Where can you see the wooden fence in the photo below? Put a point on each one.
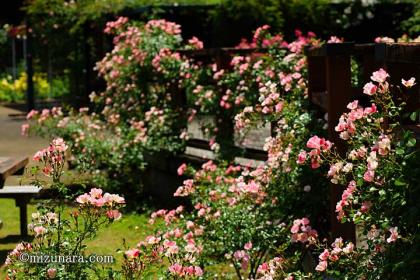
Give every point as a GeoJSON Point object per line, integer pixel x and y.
{"type": "Point", "coordinates": [331, 89]}
{"type": "Point", "coordinates": [225, 123]}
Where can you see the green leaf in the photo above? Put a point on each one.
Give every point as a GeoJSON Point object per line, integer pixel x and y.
{"type": "Point", "coordinates": [411, 142]}
{"type": "Point", "coordinates": [413, 116]}
{"type": "Point", "coordinates": [399, 151]}
{"type": "Point", "coordinates": [382, 192]}
{"type": "Point", "coordinates": [399, 183]}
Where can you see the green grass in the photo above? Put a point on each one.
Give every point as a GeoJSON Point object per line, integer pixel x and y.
{"type": "Point", "coordinates": [131, 227]}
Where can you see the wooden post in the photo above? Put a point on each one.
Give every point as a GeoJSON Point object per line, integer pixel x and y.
{"type": "Point", "coordinates": [339, 94]}
{"type": "Point", "coordinates": [224, 119]}
{"type": "Point", "coordinates": [29, 69]}
{"type": "Point", "coordinates": [22, 204]}
{"type": "Point", "coordinates": [84, 99]}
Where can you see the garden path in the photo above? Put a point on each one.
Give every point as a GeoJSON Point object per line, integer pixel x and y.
{"type": "Point", "coordinates": [13, 144]}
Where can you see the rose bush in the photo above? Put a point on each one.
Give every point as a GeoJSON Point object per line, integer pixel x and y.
{"type": "Point", "coordinates": [378, 170]}
{"type": "Point", "coordinates": [242, 215]}
{"type": "Point", "coordinates": [263, 222]}
{"type": "Point", "coordinates": [139, 112]}
{"type": "Point", "coordinates": [59, 236]}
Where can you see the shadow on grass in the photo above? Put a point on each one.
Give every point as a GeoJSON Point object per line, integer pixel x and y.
{"type": "Point", "coordinates": [12, 239]}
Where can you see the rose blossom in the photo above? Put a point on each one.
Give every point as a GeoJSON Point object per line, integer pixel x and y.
{"type": "Point", "coordinates": [370, 88]}
{"type": "Point", "coordinates": [181, 169]}
{"type": "Point", "coordinates": [301, 157]}
{"type": "Point", "coordinates": [248, 246]}
{"type": "Point", "coordinates": [132, 253]}
{"type": "Point", "coordinates": [114, 214]}
{"type": "Point", "coordinates": [51, 272]}
{"type": "Point", "coordinates": [409, 83]}
{"type": "Point", "coordinates": [379, 76]}
{"type": "Point", "coordinates": [369, 176]}
{"type": "Point", "coordinates": [176, 268]}
{"type": "Point", "coordinates": [322, 266]}
{"type": "Point", "coordinates": [24, 129]}
{"type": "Point", "coordinates": [39, 230]}
{"type": "Point", "coordinates": [394, 235]}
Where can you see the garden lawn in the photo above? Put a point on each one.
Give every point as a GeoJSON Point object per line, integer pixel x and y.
{"type": "Point", "coordinates": [131, 227]}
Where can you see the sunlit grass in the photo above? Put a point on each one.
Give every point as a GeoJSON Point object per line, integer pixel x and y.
{"type": "Point", "coordinates": [131, 227]}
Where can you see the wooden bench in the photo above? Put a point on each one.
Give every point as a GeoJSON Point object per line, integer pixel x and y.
{"type": "Point", "coordinates": [22, 196]}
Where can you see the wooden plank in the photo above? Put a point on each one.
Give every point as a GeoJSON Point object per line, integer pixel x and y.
{"type": "Point", "coordinates": [339, 94]}
{"type": "Point", "coordinates": [330, 49]}
{"type": "Point", "coordinates": [10, 166]}
{"type": "Point", "coordinates": [16, 191]}
{"type": "Point", "coordinates": [316, 78]}
{"type": "Point", "coordinates": [401, 52]}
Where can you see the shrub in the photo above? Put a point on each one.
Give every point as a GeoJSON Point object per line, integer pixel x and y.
{"type": "Point", "coordinates": [56, 236]}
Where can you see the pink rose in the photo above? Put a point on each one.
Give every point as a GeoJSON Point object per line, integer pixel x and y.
{"type": "Point", "coordinates": [379, 76]}
{"type": "Point", "coordinates": [301, 157]}
{"type": "Point", "coordinates": [369, 176]}
{"type": "Point", "coordinates": [24, 129]}
{"type": "Point", "coordinates": [349, 248]}
{"type": "Point", "coordinates": [324, 255]}
{"type": "Point", "coordinates": [38, 155]}
{"type": "Point", "coordinates": [322, 266]}
{"type": "Point", "coordinates": [279, 107]}
{"type": "Point", "coordinates": [248, 246]}
{"type": "Point", "coordinates": [51, 272]}
{"type": "Point", "coordinates": [334, 40]}
{"type": "Point", "coordinates": [370, 88]}
{"type": "Point", "coordinates": [114, 214]}
{"type": "Point", "coordinates": [394, 235]}
{"type": "Point", "coordinates": [198, 271]}
{"type": "Point", "coordinates": [132, 253]}
{"type": "Point", "coordinates": [366, 206]}
{"type": "Point", "coordinates": [39, 230]}
{"type": "Point", "coordinates": [83, 199]}
{"type": "Point", "coordinates": [409, 83]}
{"type": "Point", "coordinates": [353, 105]}
{"type": "Point", "coordinates": [181, 169]}
{"type": "Point", "coordinates": [314, 143]}
{"type": "Point", "coordinates": [31, 114]}
{"type": "Point", "coordinates": [263, 268]}
{"type": "Point", "coordinates": [305, 221]}
{"type": "Point", "coordinates": [96, 193]}
{"type": "Point", "coordinates": [176, 268]}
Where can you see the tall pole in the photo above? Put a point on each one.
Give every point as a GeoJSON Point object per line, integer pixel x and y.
{"type": "Point", "coordinates": [14, 74]}
{"type": "Point", "coordinates": [29, 69]}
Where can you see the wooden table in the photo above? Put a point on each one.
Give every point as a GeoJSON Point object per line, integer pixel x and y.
{"type": "Point", "coordinates": [10, 166]}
